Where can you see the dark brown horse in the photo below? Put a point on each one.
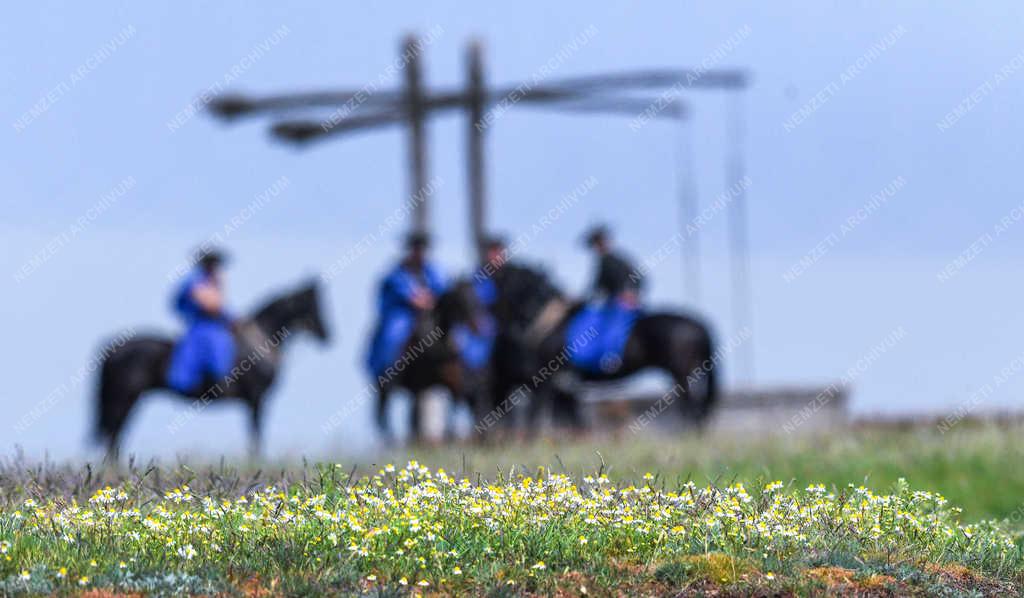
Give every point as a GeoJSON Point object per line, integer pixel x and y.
{"type": "Point", "coordinates": [431, 359]}
{"type": "Point", "coordinates": [140, 365]}
{"type": "Point", "coordinates": [532, 350]}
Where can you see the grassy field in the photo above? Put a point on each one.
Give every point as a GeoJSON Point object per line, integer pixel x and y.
{"type": "Point", "coordinates": [976, 466]}
{"type": "Point", "coordinates": [633, 515]}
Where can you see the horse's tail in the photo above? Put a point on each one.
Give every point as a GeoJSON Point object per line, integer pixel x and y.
{"type": "Point", "coordinates": [103, 426]}
{"type": "Point", "coordinates": [711, 387]}
{"type": "Point", "coordinates": [109, 389]}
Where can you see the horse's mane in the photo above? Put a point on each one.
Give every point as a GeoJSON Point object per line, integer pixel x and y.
{"type": "Point", "coordinates": [524, 290]}
{"type": "Point", "coordinates": [271, 305]}
{"type": "Point", "coordinates": [277, 303]}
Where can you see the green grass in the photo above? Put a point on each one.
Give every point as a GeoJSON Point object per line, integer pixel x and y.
{"type": "Point", "coordinates": [537, 518]}
{"type": "Point", "coordinates": [976, 466]}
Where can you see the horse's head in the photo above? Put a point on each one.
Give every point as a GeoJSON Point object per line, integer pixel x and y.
{"type": "Point", "coordinates": [458, 305]}
{"type": "Point", "coordinates": [310, 312]}
{"type": "Point", "coordinates": [299, 309]}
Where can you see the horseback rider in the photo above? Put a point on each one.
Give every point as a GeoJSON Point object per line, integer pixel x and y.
{"type": "Point", "coordinates": [616, 279]}
{"type": "Point", "coordinates": [615, 293]}
{"type": "Point", "coordinates": [205, 354]}
{"type": "Point", "coordinates": [475, 344]}
{"type": "Point", "coordinates": [494, 257]}
{"type": "Point", "coordinates": [411, 287]}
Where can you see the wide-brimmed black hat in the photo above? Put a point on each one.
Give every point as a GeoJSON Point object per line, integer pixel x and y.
{"type": "Point", "coordinates": [210, 257]}
{"type": "Point", "coordinates": [417, 239]}
{"type": "Point", "coordinates": [596, 233]}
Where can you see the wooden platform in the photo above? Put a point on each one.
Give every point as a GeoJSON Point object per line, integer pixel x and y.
{"type": "Point", "coordinates": [789, 410]}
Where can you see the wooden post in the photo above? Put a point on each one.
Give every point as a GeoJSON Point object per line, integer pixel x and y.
{"type": "Point", "coordinates": [687, 173]}
{"type": "Point", "coordinates": [477, 190]}
{"type": "Point", "coordinates": [742, 293]}
{"type": "Point", "coordinates": [417, 131]}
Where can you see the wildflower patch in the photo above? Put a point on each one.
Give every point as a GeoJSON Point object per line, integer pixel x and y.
{"type": "Point", "coordinates": [416, 530]}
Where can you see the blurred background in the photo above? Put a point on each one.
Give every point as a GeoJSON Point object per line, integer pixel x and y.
{"type": "Point", "coordinates": [883, 205]}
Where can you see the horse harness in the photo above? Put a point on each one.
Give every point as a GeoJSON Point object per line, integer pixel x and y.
{"type": "Point", "coordinates": [553, 312]}
{"type": "Point", "coordinates": [252, 338]}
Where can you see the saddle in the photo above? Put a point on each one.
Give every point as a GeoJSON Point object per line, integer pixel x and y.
{"type": "Point", "coordinates": [596, 336]}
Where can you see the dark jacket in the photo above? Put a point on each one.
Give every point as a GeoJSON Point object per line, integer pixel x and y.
{"type": "Point", "coordinates": [616, 274]}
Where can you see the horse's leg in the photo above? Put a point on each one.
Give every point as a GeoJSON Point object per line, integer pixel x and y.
{"type": "Point", "coordinates": [694, 388]}
{"type": "Point", "coordinates": [383, 394]}
{"type": "Point", "coordinates": [255, 427]}
{"type": "Point", "coordinates": [705, 374]}
{"type": "Point", "coordinates": [681, 393]}
{"type": "Point", "coordinates": [461, 384]}
{"type": "Point", "coordinates": [565, 408]}
{"type": "Point", "coordinates": [113, 453]}
{"type": "Point", "coordinates": [105, 426]}
{"type": "Point", "coordinates": [483, 406]}
{"type": "Point", "coordinates": [694, 373]}
{"type": "Point", "coordinates": [414, 417]}
{"type": "Point", "coordinates": [116, 415]}
{"type": "Point", "coordinates": [538, 408]}
{"type": "Point", "coordinates": [451, 416]}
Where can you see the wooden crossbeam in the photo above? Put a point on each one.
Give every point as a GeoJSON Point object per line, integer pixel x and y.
{"type": "Point", "coordinates": [303, 130]}
{"type": "Point", "coordinates": [232, 106]}
{"type": "Point", "coordinates": [622, 93]}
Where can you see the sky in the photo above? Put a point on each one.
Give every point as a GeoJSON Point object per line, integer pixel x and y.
{"type": "Point", "coordinates": [880, 143]}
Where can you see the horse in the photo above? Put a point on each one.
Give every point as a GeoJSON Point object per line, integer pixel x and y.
{"type": "Point", "coordinates": [140, 365]}
{"type": "Point", "coordinates": [430, 359]}
{"type": "Point", "coordinates": [532, 351]}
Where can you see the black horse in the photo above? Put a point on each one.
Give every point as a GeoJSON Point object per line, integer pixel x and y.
{"type": "Point", "coordinates": [140, 365]}
{"type": "Point", "coordinates": [430, 358]}
{"type": "Point", "coordinates": [532, 350]}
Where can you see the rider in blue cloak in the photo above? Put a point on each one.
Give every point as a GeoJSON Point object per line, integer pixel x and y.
{"type": "Point", "coordinates": [475, 345]}
{"type": "Point", "coordinates": [412, 286]}
{"type": "Point", "coordinates": [205, 354]}
{"type": "Point", "coordinates": [614, 308]}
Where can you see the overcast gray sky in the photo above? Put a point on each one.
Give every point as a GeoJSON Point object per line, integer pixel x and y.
{"type": "Point", "coordinates": [108, 178]}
